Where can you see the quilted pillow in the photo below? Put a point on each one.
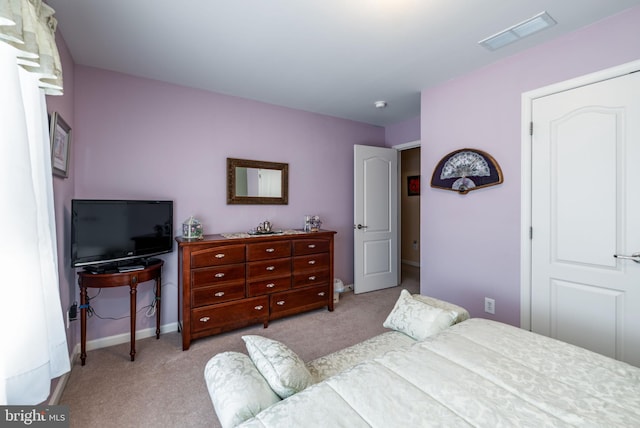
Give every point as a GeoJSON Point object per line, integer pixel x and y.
{"type": "Point", "coordinates": [417, 319]}
{"type": "Point", "coordinates": [280, 366]}
{"type": "Point", "coordinates": [238, 391]}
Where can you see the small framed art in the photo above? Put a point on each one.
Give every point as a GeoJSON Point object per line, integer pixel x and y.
{"type": "Point", "coordinates": [413, 185]}
{"type": "Point", "coordinates": [465, 170]}
{"type": "Point", "coordinates": [60, 145]}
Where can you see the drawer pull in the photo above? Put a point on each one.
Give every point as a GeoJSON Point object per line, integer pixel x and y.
{"type": "Point", "coordinates": [270, 250]}
{"type": "Point", "coordinates": [312, 262]}
{"type": "Point", "coordinates": [204, 319]}
{"type": "Point", "coordinates": [219, 294]}
{"type": "Point", "coordinates": [270, 285]}
{"type": "Point", "coordinates": [270, 268]}
{"type": "Point", "coordinates": [219, 256]}
{"type": "Point", "coordinates": [312, 278]}
{"type": "Point", "coordinates": [312, 245]}
{"type": "Point", "coordinates": [219, 275]}
{"type": "Point", "coordinates": [280, 302]}
{"type": "Point", "coordinates": [259, 308]}
{"type": "Point", "coordinates": [321, 293]}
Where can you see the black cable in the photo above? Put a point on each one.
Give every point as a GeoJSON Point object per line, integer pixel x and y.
{"type": "Point", "coordinates": [91, 312]}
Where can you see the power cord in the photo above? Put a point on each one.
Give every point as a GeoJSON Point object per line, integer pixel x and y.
{"type": "Point", "coordinates": [150, 309]}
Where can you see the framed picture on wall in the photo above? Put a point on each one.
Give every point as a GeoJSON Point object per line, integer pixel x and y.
{"type": "Point", "coordinates": [413, 185]}
{"type": "Point", "coordinates": [465, 170]}
{"type": "Point", "coordinates": [60, 145]}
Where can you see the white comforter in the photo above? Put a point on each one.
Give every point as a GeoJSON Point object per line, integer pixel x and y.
{"type": "Point", "coordinates": [478, 373]}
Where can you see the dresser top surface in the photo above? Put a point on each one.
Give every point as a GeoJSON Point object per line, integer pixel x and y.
{"type": "Point", "coordinates": [243, 238]}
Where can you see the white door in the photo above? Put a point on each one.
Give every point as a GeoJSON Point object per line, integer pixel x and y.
{"type": "Point", "coordinates": [375, 222]}
{"type": "Point", "coordinates": [586, 209]}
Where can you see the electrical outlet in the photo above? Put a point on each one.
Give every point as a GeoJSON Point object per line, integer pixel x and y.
{"type": "Point", "coordinates": [73, 311]}
{"type": "Point", "coordinates": [415, 244]}
{"type": "Point", "coordinates": [489, 305]}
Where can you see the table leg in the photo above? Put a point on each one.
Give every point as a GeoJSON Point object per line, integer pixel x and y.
{"type": "Point", "coordinates": [158, 304]}
{"type": "Point", "coordinates": [133, 320]}
{"type": "Point", "coordinates": [83, 324]}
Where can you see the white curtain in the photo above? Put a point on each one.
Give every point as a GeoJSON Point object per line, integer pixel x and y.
{"type": "Point", "coordinates": [34, 346]}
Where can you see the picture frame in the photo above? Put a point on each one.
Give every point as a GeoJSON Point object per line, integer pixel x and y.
{"type": "Point", "coordinates": [413, 185]}
{"type": "Point", "coordinates": [464, 170]}
{"type": "Point", "coordinates": [60, 135]}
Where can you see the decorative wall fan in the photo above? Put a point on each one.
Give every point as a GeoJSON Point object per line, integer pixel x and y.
{"type": "Point", "coordinates": [465, 170]}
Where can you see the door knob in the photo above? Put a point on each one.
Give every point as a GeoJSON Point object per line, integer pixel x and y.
{"type": "Point", "coordinates": [635, 257]}
{"type": "Point", "coordinates": [359, 226]}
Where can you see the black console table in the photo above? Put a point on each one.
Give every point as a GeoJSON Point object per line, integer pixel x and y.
{"type": "Point", "coordinates": [118, 279]}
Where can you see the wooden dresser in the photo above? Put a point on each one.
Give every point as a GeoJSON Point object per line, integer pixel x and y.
{"type": "Point", "coordinates": [228, 283]}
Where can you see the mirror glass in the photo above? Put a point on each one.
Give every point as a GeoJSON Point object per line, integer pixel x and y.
{"type": "Point", "coordinates": [256, 182]}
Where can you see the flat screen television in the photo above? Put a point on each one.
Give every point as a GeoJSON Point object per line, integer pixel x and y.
{"type": "Point", "coordinates": [117, 232]}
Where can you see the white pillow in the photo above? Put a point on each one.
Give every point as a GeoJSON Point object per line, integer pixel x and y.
{"type": "Point", "coordinates": [238, 391]}
{"type": "Point", "coordinates": [280, 366]}
{"type": "Point", "coordinates": [417, 319]}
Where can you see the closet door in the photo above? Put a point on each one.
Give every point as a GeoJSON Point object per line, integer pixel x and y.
{"type": "Point", "coordinates": [586, 217]}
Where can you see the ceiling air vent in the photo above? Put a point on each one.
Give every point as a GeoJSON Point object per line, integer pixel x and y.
{"type": "Point", "coordinates": [519, 31]}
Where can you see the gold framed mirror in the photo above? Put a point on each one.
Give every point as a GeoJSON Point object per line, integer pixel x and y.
{"type": "Point", "coordinates": [257, 182]}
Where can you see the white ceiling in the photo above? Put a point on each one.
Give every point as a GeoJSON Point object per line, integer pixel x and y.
{"type": "Point", "coordinates": [334, 57]}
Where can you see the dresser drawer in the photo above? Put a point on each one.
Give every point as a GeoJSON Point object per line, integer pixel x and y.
{"type": "Point", "coordinates": [216, 275]}
{"type": "Point", "coordinates": [223, 255]}
{"type": "Point", "coordinates": [240, 312]}
{"type": "Point", "coordinates": [302, 279]}
{"type": "Point", "coordinates": [203, 296]}
{"type": "Point", "coordinates": [266, 286]}
{"type": "Point", "coordinates": [299, 300]}
{"type": "Point", "coordinates": [268, 250]}
{"type": "Point", "coordinates": [268, 269]}
{"type": "Point", "coordinates": [311, 262]}
{"type": "Point", "coordinates": [310, 246]}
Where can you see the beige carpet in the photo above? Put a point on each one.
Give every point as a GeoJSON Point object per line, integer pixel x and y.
{"type": "Point", "coordinates": [164, 386]}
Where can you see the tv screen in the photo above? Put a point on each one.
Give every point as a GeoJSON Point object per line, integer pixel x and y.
{"type": "Point", "coordinates": [113, 231]}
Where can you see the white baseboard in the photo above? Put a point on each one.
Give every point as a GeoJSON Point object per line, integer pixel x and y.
{"type": "Point", "coordinates": [105, 342]}
{"type": "Point", "coordinates": [55, 396]}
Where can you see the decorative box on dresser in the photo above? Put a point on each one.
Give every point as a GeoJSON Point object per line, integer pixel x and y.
{"type": "Point", "coordinates": [228, 283]}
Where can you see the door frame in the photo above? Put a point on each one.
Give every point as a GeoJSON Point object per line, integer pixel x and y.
{"type": "Point", "coordinates": [527, 170]}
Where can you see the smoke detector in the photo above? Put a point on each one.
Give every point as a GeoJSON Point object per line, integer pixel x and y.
{"type": "Point", "coordinates": [380, 104]}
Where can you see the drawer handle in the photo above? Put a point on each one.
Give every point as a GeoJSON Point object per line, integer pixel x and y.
{"type": "Point", "coordinates": [321, 293]}
{"type": "Point", "coordinates": [270, 250]}
{"type": "Point", "coordinates": [280, 302]}
{"type": "Point", "coordinates": [219, 294]}
{"type": "Point", "coordinates": [219, 256]}
{"type": "Point", "coordinates": [270, 268]}
{"type": "Point", "coordinates": [204, 319]}
{"type": "Point", "coordinates": [312, 245]}
{"type": "Point", "coordinates": [270, 285]}
{"type": "Point", "coordinates": [312, 262]}
{"type": "Point", "coordinates": [259, 308]}
{"type": "Point", "coordinates": [312, 278]}
{"type": "Point", "coordinates": [219, 275]}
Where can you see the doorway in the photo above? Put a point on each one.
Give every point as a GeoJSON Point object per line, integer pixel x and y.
{"type": "Point", "coordinates": [380, 187]}
{"type": "Point", "coordinates": [409, 210]}
{"type": "Point", "coordinates": [410, 213]}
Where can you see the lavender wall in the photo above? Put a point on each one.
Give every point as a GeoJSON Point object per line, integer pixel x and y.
{"type": "Point", "coordinates": [403, 132]}
{"type": "Point", "coordinates": [63, 190]}
{"type": "Point", "coordinates": [470, 244]}
{"type": "Point", "coordinates": [139, 138]}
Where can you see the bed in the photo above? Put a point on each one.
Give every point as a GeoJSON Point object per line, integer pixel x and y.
{"type": "Point", "coordinates": [477, 373]}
